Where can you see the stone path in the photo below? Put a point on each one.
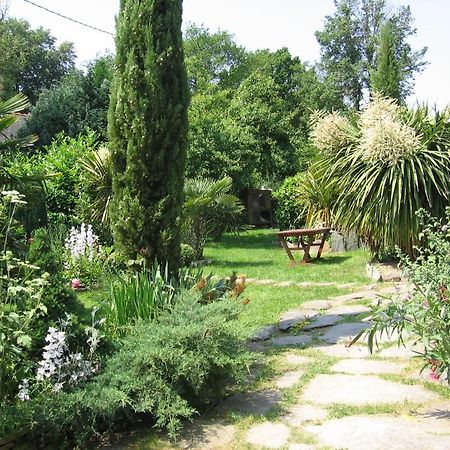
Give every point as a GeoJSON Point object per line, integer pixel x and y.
{"type": "Point", "coordinates": [327, 395]}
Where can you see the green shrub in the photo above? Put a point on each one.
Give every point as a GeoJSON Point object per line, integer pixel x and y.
{"type": "Point", "coordinates": [289, 209]}
{"type": "Point", "coordinates": [167, 370]}
{"type": "Point", "coordinates": [187, 255]}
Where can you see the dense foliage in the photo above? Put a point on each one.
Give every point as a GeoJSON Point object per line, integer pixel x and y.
{"type": "Point", "coordinates": [148, 130]}
{"type": "Point", "coordinates": [167, 370]}
{"type": "Point", "coordinates": [77, 103]}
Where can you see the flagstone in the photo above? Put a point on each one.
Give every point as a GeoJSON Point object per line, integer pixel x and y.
{"type": "Point", "coordinates": [268, 435]}
{"type": "Point", "coordinates": [343, 331]}
{"type": "Point", "coordinates": [301, 339]}
{"type": "Point", "coordinates": [382, 432]}
{"type": "Point", "coordinates": [365, 366]}
{"type": "Point", "coordinates": [297, 415]}
{"type": "Point", "coordinates": [288, 380]}
{"type": "Point", "coordinates": [295, 316]}
{"type": "Point", "coordinates": [362, 390]}
{"type": "Point", "coordinates": [259, 402]}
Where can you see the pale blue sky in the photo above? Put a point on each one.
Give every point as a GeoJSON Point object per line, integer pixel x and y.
{"type": "Point", "coordinates": [256, 24]}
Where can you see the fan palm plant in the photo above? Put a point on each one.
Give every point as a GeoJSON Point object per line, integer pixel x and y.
{"type": "Point", "coordinates": [209, 206]}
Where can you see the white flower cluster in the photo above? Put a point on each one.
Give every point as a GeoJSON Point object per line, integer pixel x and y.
{"type": "Point", "coordinates": [61, 367]}
{"type": "Point", "coordinates": [24, 393]}
{"type": "Point", "coordinates": [82, 242]}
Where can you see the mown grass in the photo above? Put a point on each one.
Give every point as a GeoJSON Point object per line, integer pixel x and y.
{"type": "Point", "coordinates": [258, 254]}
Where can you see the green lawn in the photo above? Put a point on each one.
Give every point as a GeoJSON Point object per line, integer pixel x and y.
{"type": "Point", "coordinates": [258, 254]}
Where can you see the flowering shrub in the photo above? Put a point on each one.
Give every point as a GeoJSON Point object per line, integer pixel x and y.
{"type": "Point", "coordinates": [425, 313]}
{"type": "Point", "coordinates": [83, 254]}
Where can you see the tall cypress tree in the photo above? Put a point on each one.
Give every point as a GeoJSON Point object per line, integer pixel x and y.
{"type": "Point", "coordinates": [148, 130]}
{"type": "Point", "coordinates": [387, 78]}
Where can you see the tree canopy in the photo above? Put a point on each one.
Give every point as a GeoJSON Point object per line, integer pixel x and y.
{"type": "Point", "coordinates": [31, 61]}
{"type": "Point", "coordinates": [350, 45]}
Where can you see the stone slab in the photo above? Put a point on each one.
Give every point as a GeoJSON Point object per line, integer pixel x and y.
{"type": "Point", "coordinates": [301, 339]}
{"type": "Point", "coordinates": [440, 411]}
{"type": "Point", "coordinates": [365, 366]}
{"type": "Point", "coordinates": [362, 390]}
{"type": "Point", "coordinates": [299, 414]}
{"type": "Point", "coordinates": [295, 316]}
{"type": "Point", "coordinates": [342, 351]}
{"type": "Point", "coordinates": [348, 310]}
{"type": "Point", "coordinates": [288, 380]}
{"type": "Point", "coordinates": [268, 435]}
{"type": "Point", "coordinates": [264, 333]}
{"type": "Point", "coordinates": [381, 433]}
{"type": "Point", "coordinates": [355, 296]}
{"type": "Point", "coordinates": [317, 304]}
{"type": "Point", "coordinates": [322, 321]}
{"type": "Point", "coordinates": [343, 331]}
{"type": "Point", "coordinates": [259, 402]}
{"type": "Point", "coordinates": [206, 436]}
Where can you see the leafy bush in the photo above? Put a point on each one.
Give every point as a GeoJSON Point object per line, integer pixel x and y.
{"type": "Point", "coordinates": [289, 210]}
{"type": "Point", "coordinates": [167, 370]}
{"type": "Point", "coordinates": [187, 255]}
{"type": "Point", "coordinates": [425, 314]}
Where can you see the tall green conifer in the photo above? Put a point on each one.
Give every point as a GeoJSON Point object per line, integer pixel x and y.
{"type": "Point", "coordinates": [387, 78]}
{"type": "Point", "coordinates": [148, 129]}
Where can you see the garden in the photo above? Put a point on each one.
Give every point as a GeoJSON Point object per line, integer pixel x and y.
{"type": "Point", "coordinates": [138, 306]}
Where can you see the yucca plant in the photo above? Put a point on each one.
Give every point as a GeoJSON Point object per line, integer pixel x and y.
{"type": "Point", "coordinates": [400, 165]}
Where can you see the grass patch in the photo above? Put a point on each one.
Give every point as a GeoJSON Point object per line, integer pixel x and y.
{"type": "Point", "coordinates": [257, 254]}
{"type": "Point", "coordinates": [337, 410]}
{"type": "Point", "coordinates": [268, 302]}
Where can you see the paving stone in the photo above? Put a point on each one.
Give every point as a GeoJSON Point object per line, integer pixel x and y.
{"type": "Point", "coordinates": [343, 331]}
{"type": "Point", "coordinates": [382, 432]}
{"type": "Point", "coordinates": [301, 339]}
{"type": "Point", "coordinates": [299, 414]}
{"type": "Point", "coordinates": [256, 347]}
{"type": "Point", "coordinates": [297, 360]}
{"type": "Point", "coordinates": [286, 284]}
{"type": "Point", "coordinates": [342, 351]}
{"type": "Point", "coordinates": [268, 435]}
{"type": "Point", "coordinates": [364, 366]}
{"type": "Point", "coordinates": [322, 321]}
{"type": "Point", "coordinates": [362, 390]}
{"type": "Point", "coordinates": [207, 436]}
{"type": "Point", "coordinates": [317, 304]}
{"type": "Point", "coordinates": [288, 380]}
{"type": "Point", "coordinates": [384, 338]}
{"type": "Point", "coordinates": [260, 402]}
{"type": "Point", "coordinates": [348, 310]}
{"type": "Point", "coordinates": [355, 296]}
{"type": "Point", "coordinates": [403, 352]}
{"type": "Point", "coordinates": [295, 316]}
{"type": "Point", "coordinates": [264, 333]}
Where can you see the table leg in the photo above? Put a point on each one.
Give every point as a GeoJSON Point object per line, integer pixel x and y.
{"type": "Point", "coordinates": [324, 237]}
{"type": "Point", "coordinates": [307, 256]}
{"type": "Point", "coordinates": [286, 247]}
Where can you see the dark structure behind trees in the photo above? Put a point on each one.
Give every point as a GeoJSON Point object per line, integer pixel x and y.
{"type": "Point", "coordinates": [148, 130]}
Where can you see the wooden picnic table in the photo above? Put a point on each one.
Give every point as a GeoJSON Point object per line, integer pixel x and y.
{"type": "Point", "coordinates": [300, 235]}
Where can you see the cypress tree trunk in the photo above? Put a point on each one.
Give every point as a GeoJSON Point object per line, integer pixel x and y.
{"type": "Point", "coordinates": [148, 130]}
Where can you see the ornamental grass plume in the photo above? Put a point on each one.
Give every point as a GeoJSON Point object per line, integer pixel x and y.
{"type": "Point", "coordinates": [331, 133]}
{"type": "Point", "coordinates": [384, 137]}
